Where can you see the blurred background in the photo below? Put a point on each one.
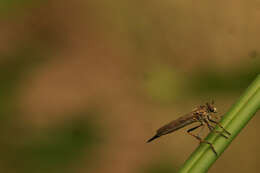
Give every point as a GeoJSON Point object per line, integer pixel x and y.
{"type": "Point", "coordinates": [84, 84]}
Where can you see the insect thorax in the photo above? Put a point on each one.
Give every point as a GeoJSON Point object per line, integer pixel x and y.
{"type": "Point", "coordinates": [201, 113]}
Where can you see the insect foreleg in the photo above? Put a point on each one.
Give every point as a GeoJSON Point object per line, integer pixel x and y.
{"type": "Point", "coordinates": [211, 128]}
{"type": "Point", "coordinates": [218, 125]}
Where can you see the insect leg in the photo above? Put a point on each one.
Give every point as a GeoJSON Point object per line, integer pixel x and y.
{"type": "Point", "coordinates": [201, 130]}
{"type": "Point", "coordinates": [201, 140]}
{"type": "Point", "coordinates": [211, 128]}
{"type": "Point", "coordinates": [194, 128]}
{"type": "Point", "coordinates": [218, 125]}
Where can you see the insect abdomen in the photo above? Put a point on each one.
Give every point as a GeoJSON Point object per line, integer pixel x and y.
{"type": "Point", "coordinates": [175, 125]}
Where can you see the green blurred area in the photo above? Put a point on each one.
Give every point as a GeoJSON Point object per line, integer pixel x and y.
{"type": "Point", "coordinates": [224, 82]}
{"type": "Point", "coordinates": [16, 7]}
{"type": "Point", "coordinates": [161, 166]}
{"type": "Point", "coordinates": [45, 150]}
{"type": "Point", "coordinates": [13, 69]}
{"type": "Point", "coordinates": [54, 150]}
{"type": "Point", "coordinates": [49, 150]}
{"type": "Point", "coordinates": [167, 85]}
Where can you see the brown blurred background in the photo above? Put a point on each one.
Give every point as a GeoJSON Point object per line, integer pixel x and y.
{"type": "Point", "coordinates": [85, 83]}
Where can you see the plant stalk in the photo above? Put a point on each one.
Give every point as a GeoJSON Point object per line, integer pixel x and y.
{"type": "Point", "coordinates": [234, 121]}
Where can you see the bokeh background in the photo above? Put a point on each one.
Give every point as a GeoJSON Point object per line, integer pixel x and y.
{"type": "Point", "coordinates": [83, 84]}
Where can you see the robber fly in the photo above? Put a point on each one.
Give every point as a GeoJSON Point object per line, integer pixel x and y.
{"type": "Point", "coordinates": [201, 114]}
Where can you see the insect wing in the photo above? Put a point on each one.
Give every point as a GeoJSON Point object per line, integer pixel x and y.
{"type": "Point", "coordinates": [177, 124]}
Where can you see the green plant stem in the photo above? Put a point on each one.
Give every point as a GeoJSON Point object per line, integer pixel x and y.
{"type": "Point", "coordinates": [234, 121]}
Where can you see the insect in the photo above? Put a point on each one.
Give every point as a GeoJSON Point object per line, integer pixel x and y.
{"type": "Point", "coordinates": [201, 114]}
